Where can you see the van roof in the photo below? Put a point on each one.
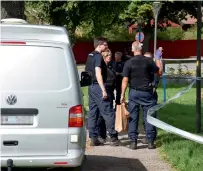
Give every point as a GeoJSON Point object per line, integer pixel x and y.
{"type": "Point", "coordinates": [34, 32]}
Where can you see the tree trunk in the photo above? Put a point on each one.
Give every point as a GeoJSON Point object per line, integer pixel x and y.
{"type": "Point", "coordinates": [12, 9]}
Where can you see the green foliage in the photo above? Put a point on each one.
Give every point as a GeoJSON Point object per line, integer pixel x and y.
{"type": "Point", "coordinates": [67, 14]}
{"type": "Point", "coordinates": [102, 15]}
{"type": "Point", "coordinates": [98, 16]}
{"type": "Point", "coordinates": [87, 19]}
{"type": "Point", "coordinates": [84, 31]}
{"type": "Point", "coordinates": [118, 33]}
{"type": "Point", "coordinates": [191, 34]}
{"type": "Point", "coordinates": [37, 12]}
{"type": "Point", "coordinates": [177, 10]}
{"type": "Point", "coordinates": [171, 34]}
{"type": "Point", "coordinates": [115, 33]}
{"type": "Point", "coordinates": [138, 9]}
{"type": "Point", "coordinates": [174, 11]}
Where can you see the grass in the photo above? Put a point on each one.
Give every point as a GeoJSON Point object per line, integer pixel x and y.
{"type": "Point", "coordinates": [182, 154]}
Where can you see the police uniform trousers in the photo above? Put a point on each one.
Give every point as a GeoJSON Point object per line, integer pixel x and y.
{"type": "Point", "coordinates": [101, 126]}
{"type": "Point", "coordinates": [146, 100]}
{"type": "Point", "coordinates": [156, 98]}
{"type": "Point", "coordinates": [99, 106]}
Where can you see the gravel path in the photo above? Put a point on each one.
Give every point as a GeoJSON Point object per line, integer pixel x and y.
{"type": "Point", "coordinates": [107, 158]}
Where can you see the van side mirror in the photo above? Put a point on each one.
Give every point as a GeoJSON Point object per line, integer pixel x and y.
{"type": "Point", "coordinates": [86, 79]}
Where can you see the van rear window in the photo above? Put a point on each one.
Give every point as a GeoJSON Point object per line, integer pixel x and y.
{"type": "Point", "coordinates": [32, 68]}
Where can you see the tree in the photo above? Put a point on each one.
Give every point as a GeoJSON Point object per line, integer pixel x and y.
{"type": "Point", "coordinates": [60, 13]}
{"type": "Point", "coordinates": [178, 10]}
{"type": "Point", "coordinates": [102, 15]}
{"type": "Point", "coordinates": [38, 12]}
{"type": "Point", "coordinates": [12, 9]}
{"type": "Point", "coordinates": [174, 11]}
{"type": "Point", "coordinates": [98, 16]}
{"type": "Point", "coordinates": [68, 14]}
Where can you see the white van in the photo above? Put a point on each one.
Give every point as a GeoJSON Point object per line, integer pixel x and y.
{"type": "Point", "coordinates": [42, 119]}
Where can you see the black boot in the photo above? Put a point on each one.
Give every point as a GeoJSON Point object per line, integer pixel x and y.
{"type": "Point", "coordinates": [151, 145]}
{"type": "Point", "coordinates": [114, 141]}
{"type": "Point", "coordinates": [133, 145]}
{"type": "Point", "coordinates": [95, 142]}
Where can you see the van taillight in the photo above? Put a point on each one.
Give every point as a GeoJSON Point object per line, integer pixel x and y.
{"type": "Point", "coordinates": [76, 116]}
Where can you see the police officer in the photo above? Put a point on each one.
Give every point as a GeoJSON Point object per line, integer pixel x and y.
{"type": "Point", "coordinates": [111, 74]}
{"type": "Point", "coordinates": [155, 82]}
{"type": "Point", "coordinates": [99, 101]}
{"type": "Point", "coordinates": [119, 69]}
{"type": "Point", "coordinates": [110, 85]}
{"type": "Point", "coordinates": [137, 71]}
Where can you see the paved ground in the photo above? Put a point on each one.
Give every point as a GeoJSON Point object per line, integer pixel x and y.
{"type": "Point", "coordinates": [123, 159]}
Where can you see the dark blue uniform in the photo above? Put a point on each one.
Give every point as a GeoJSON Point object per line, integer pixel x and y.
{"type": "Point", "coordinates": [139, 69]}
{"type": "Point", "coordinates": [98, 105]}
{"type": "Point", "coordinates": [110, 85]}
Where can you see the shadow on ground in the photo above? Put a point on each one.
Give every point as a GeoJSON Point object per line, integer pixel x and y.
{"type": "Point", "coordinates": [101, 163]}
{"type": "Point", "coordinates": [109, 163]}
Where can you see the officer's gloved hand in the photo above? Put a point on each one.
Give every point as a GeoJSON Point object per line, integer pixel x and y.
{"type": "Point", "coordinates": [158, 54]}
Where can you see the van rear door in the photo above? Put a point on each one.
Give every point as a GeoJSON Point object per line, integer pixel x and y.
{"type": "Point", "coordinates": [35, 100]}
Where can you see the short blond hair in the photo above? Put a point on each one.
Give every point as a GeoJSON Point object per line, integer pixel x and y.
{"type": "Point", "coordinates": [106, 53]}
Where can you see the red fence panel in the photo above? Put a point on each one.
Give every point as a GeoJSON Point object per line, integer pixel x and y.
{"type": "Point", "coordinates": [82, 49]}
{"type": "Point", "coordinates": [177, 49]}
{"type": "Point", "coordinates": [172, 49]}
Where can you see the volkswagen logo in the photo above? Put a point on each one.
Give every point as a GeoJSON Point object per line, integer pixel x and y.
{"type": "Point", "coordinates": [11, 99]}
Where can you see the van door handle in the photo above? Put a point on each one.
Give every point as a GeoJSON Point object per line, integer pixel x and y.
{"type": "Point", "coordinates": [10, 143]}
